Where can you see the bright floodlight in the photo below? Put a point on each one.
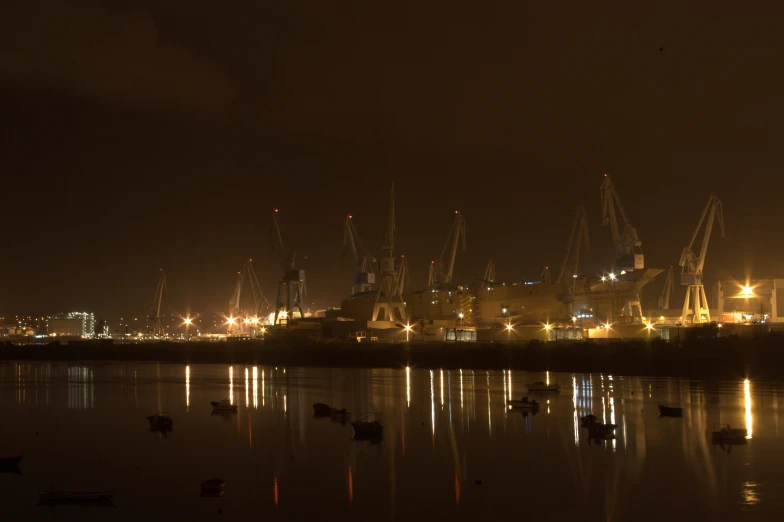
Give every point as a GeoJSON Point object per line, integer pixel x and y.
{"type": "Point", "coordinates": [547, 327]}
{"type": "Point", "coordinates": [231, 320]}
{"type": "Point", "coordinates": [607, 326]}
{"type": "Point", "coordinates": [246, 321]}
{"type": "Point", "coordinates": [255, 320]}
{"type": "Point", "coordinates": [407, 327]}
{"type": "Point", "coordinates": [649, 326]}
{"type": "Point", "coordinates": [509, 326]}
{"type": "Point", "coordinates": [612, 277]}
{"type": "Point", "coordinates": [188, 321]}
{"type": "Point", "coordinates": [604, 279]}
{"type": "Point", "coordinates": [747, 290]}
{"type": "Point", "coordinates": [460, 315]}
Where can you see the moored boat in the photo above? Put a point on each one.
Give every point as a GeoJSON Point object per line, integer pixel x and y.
{"type": "Point", "coordinates": [159, 422]}
{"type": "Point", "coordinates": [669, 411]}
{"type": "Point", "coordinates": [729, 435]}
{"type": "Point", "coordinates": [224, 405]}
{"type": "Point", "coordinates": [213, 488]}
{"type": "Point", "coordinates": [524, 403]}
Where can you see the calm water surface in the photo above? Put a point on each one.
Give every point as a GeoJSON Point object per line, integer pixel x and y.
{"type": "Point", "coordinates": [83, 427]}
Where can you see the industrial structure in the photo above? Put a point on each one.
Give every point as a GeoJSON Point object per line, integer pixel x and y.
{"type": "Point", "coordinates": [389, 308]}
{"type": "Point", "coordinates": [695, 304]}
{"type": "Point", "coordinates": [73, 324]}
{"type": "Point", "coordinates": [364, 275]}
{"type": "Point", "coordinates": [291, 288]}
{"type": "Point", "coordinates": [247, 322]}
{"type": "Point", "coordinates": [442, 269]}
{"type": "Point", "coordinates": [156, 321]}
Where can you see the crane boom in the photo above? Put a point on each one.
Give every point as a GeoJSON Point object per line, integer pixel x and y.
{"type": "Point", "coordinates": [258, 296]}
{"type": "Point", "coordinates": [577, 236]}
{"type": "Point", "coordinates": [490, 271]}
{"type": "Point", "coordinates": [291, 287]}
{"type": "Point", "coordinates": [364, 277]}
{"type": "Point", "coordinates": [627, 243]}
{"type": "Point", "coordinates": [443, 270]}
{"type": "Point", "coordinates": [155, 308]}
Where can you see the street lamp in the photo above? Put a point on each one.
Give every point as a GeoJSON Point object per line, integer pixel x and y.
{"type": "Point", "coordinates": [508, 331]}
{"type": "Point", "coordinates": [407, 328]}
{"type": "Point", "coordinates": [187, 325]}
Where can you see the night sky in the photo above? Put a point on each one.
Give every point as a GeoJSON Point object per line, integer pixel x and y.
{"type": "Point", "coordinates": [140, 135]}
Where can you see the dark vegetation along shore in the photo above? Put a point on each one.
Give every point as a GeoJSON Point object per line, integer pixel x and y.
{"type": "Point", "coordinates": [730, 358]}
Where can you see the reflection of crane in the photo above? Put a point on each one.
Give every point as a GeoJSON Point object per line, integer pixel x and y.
{"type": "Point", "coordinates": [364, 277]}
{"type": "Point", "coordinates": [155, 309]}
{"type": "Point", "coordinates": [664, 298]}
{"type": "Point", "coordinates": [234, 305]}
{"type": "Point", "coordinates": [389, 304]}
{"type": "Point", "coordinates": [441, 271]}
{"type": "Point", "coordinates": [628, 247]}
{"type": "Point", "coordinates": [695, 306]}
{"type": "Point", "coordinates": [292, 285]}
{"type": "Point", "coordinates": [577, 237]}
{"type": "Point", "coordinates": [490, 271]}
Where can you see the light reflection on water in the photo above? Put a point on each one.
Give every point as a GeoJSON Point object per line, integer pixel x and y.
{"type": "Point", "coordinates": [267, 444]}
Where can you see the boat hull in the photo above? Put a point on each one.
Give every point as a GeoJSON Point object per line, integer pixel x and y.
{"type": "Point", "coordinates": [667, 411]}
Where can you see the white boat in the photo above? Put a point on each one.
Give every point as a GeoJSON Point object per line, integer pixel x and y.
{"type": "Point", "coordinates": [543, 387]}
{"type": "Point", "coordinates": [224, 405]}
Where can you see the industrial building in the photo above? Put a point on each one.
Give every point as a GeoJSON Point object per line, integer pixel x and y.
{"type": "Point", "coordinates": [74, 324]}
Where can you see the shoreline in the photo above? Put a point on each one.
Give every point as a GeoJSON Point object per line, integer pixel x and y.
{"type": "Point", "coordinates": [697, 358]}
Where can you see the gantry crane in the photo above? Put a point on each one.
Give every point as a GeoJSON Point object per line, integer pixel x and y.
{"type": "Point", "coordinates": [234, 307]}
{"type": "Point", "coordinates": [389, 305]}
{"type": "Point", "coordinates": [155, 308]}
{"type": "Point", "coordinates": [402, 278]}
{"type": "Point", "coordinates": [490, 271]}
{"type": "Point", "coordinates": [664, 298]}
{"type": "Point", "coordinates": [291, 288]}
{"type": "Point", "coordinates": [577, 236]}
{"type": "Point", "coordinates": [628, 247]}
{"type": "Point", "coordinates": [364, 277]}
{"type": "Point", "coordinates": [695, 305]}
{"type": "Point", "coordinates": [441, 270]}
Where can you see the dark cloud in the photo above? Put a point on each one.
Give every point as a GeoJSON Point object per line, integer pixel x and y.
{"type": "Point", "coordinates": [116, 56]}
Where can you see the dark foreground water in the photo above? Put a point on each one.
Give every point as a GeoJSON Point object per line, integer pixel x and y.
{"type": "Point", "coordinates": [83, 427]}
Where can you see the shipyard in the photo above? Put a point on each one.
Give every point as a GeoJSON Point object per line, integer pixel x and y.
{"type": "Point", "coordinates": [562, 304]}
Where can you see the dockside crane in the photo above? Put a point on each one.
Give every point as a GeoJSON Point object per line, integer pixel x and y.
{"type": "Point", "coordinates": [402, 278]}
{"type": "Point", "coordinates": [664, 298]}
{"type": "Point", "coordinates": [389, 305]}
{"type": "Point", "coordinates": [695, 305]}
{"type": "Point", "coordinates": [155, 308]}
{"type": "Point", "coordinates": [441, 270]}
{"type": "Point", "coordinates": [364, 277]}
{"type": "Point", "coordinates": [627, 243]}
{"type": "Point", "coordinates": [291, 288]}
{"type": "Point", "coordinates": [234, 306]}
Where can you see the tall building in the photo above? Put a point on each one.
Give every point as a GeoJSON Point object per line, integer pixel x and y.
{"type": "Point", "coordinates": [74, 324]}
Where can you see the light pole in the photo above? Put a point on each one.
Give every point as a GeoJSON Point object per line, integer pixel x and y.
{"type": "Point", "coordinates": [187, 325]}
{"type": "Point", "coordinates": [407, 328]}
{"type": "Point", "coordinates": [508, 331]}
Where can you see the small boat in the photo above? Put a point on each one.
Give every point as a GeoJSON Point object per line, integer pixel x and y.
{"type": "Point", "coordinates": [368, 430]}
{"type": "Point", "coordinates": [161, 423]}
{"type": "Point", "coordinates": [669, 411]}
{"type": "Point", "coordinates": [543, 387]}
{"type": "Point", "coordinates": [213, 488]}
{"type": "Point", "coordinates": [729, 435]}
{"type": "Point", "coordinates": [224, 405]}
{"type": "Point", "coordinates": [75, 497]}
{"type": "Point", "coordinates": [322, 410]}
{"type": "Point", "coordinates": [598, 430]}
{"type": "Point", "coordinates": [524, 403]}
{"type": "Point", "coordinates": [588, 420]}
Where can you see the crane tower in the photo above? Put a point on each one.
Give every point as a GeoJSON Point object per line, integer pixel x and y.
{"type": "Point", "coordinates": [291, 288]}
{"type": "Point", "coordinates": [628, 247]}
{"type": "Point", "coordinates": [364, 276]}
{"type": "Point", "coordinates": [389, 304]}
{"type": "Point", "coordinates": [441, 271]}
{"type": "Point", "coordinates": [155, 308]}
{"type": "Point", "coordinates": [695, 305]}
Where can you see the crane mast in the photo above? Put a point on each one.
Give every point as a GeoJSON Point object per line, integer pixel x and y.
{"type": "Point", "coordinates": [442, 271]}
{"type": "Point", "coordinates": [155, 308]}
{"type": "Point", "coordinates": [364, 276]}
{"type": "Point", "coordinates": [695, 305]}
{"type": "Point", "coordinates": [402, 277]}
{"type": "Point", "coordinates": [389, 304]}
{"type": "Point", "coordinates": [291, 288]}
{"type": "Point", "coordinates": [664, 298]}
{"type": "Point", "coordinates": [490, 271]}
{"type": "Point", "coordinates": [258, 296]}
{"type": "Point", "coordinates": [627, 243]}
{"type": "Point", "coordinates": [234, 306]}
